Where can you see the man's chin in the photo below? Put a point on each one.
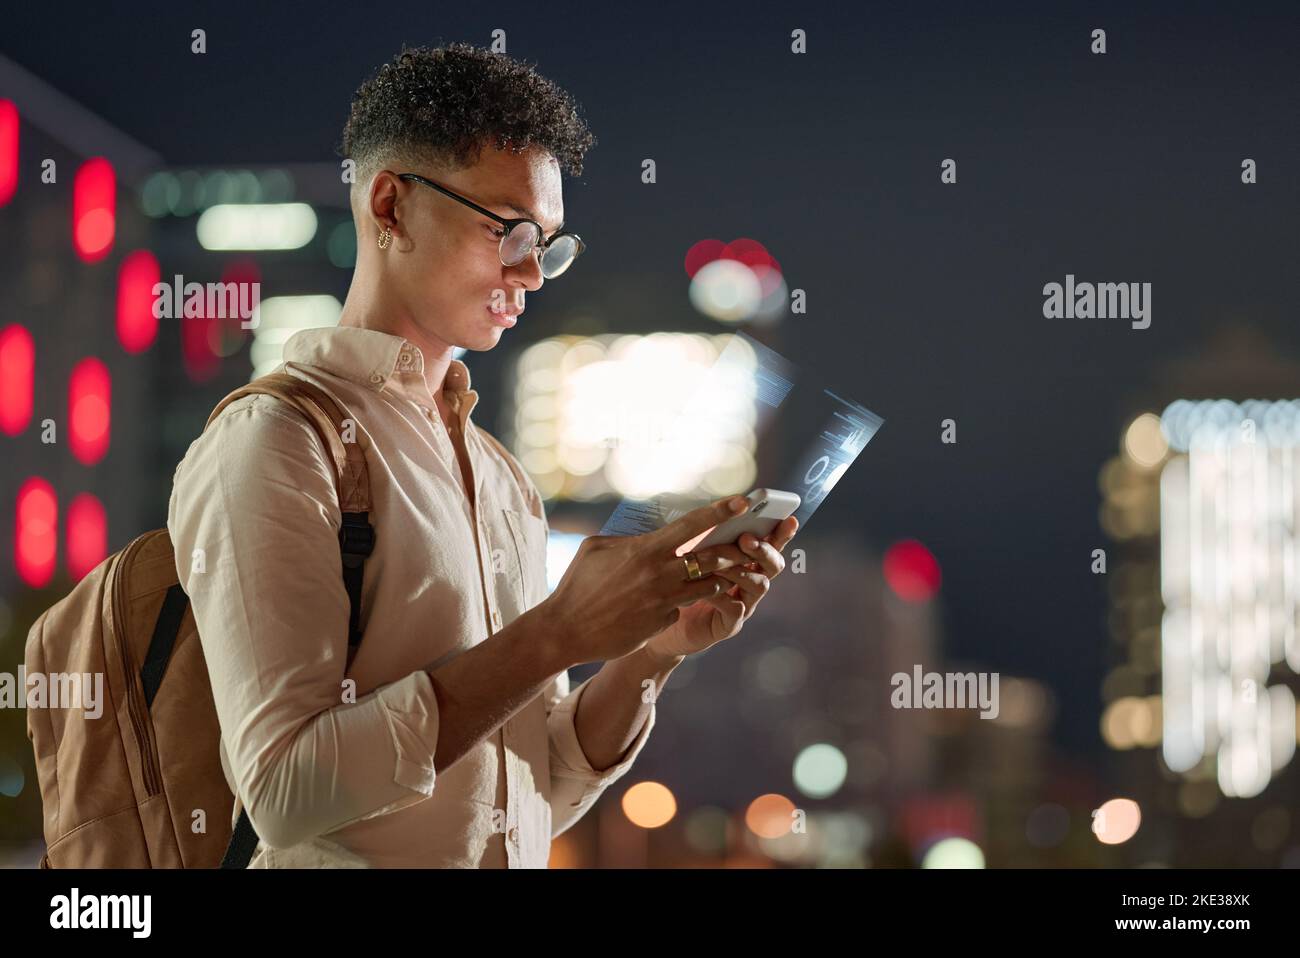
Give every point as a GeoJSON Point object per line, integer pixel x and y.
{"type": "Point", "coordinates": [486, 337]}
{"type": "Point", "coordinates": [483, 341]}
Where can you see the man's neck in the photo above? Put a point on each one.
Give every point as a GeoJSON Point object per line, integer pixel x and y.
{"type": "Point", "coordinates": [362, 313]}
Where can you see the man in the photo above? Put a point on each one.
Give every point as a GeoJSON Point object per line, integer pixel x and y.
{"type": "Point", "coordinates": [453, 738]}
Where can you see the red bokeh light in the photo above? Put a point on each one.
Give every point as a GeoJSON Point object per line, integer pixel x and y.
{"type": "Point", "coordinates": [200, 359]}
{"type": "Point", "coordinates": [36, 526]}
{"type": "Point", "coordinates": [17, 365]}
{"type": "Point", "coordinates": [748, 251]}
{"type": "Point", "coordinates": [89, 410]}
{"type": "Point", "coordinates": [87, 535]}
{"type": "Point", "coordinates": [94, 209]}
{"type": "Point", "coordinates": [925, 819]}
{"type": "Point", "coordinates": [911, 571]}
{"type": "Point", "coordinates": [701, 254]}
{"type": "Point", "coordinates": [8, 151]}
{"type": "Point", "coordinates": [206, 340]}
{"type": "Point", "coordinates": [228, 335]}
{"type": "Point", "coordinates": [769, 278]}
{"type": "Point", "coordinates": [137, 326]}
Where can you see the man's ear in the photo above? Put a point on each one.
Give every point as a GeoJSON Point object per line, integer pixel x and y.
{"type": "Point", "coordinates": [381, 202]}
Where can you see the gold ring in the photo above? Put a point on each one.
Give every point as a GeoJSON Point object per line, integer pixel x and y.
{"type": "Point", "coordinates": [692, 567]}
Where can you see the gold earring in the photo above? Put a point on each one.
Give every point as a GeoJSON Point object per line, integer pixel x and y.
{"type": "Point", "coordinates": [385, 238]}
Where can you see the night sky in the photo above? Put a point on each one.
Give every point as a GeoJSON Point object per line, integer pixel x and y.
{"type": "Point", "coordinates": [924, 300]}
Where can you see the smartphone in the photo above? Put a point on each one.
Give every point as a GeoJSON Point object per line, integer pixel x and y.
{"type": "Point", "coordinates": [767, 507]}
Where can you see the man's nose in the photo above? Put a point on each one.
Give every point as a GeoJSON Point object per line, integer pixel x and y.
{"type": "Point", "coordinates": [527, 273]}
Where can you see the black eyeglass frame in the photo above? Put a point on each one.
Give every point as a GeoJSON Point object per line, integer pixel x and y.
{"type": "Point", "coordinates": [509, 225]}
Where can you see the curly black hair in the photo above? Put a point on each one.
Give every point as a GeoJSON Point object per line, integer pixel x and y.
{"type": "Point", "coordinates": [445, 104]}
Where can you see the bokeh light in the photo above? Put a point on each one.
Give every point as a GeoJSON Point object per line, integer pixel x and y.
{"type": "Point", "coordinates": [90, 404]}
{"type": "Point", "coordinates": [1144, 443]}
{"type": "Point", "coordinates": [649, 805]}
{"type": "Point", "coordinates": [1116, 821]}
{"type": "Point", "coordinates": [911, 571]}
{"type": "Point", "coordinates": [735, 282]}
{"type": "Point", "coordinates": [36, 532]}
{"type": "Point", "coordinates": [770, 816]}
{"type": "Point", "coordinates": [819, 770]}
{"type": "Point", "coordinates": [953, 852]}
{"type": "Point", "coordinates": [94, 209]}
{"type": "Point", "coordinates": [17, 371]}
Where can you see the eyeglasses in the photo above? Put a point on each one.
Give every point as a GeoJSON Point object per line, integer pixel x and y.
{"type": "Point", "coordinates": [521, 236]}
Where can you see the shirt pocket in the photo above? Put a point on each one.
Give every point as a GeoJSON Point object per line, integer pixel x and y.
{"type": "Point", "coordinates": [525, 563]}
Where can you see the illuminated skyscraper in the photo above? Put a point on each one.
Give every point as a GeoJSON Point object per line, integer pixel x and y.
{"type": "Point", "coordinates": [1204, 500]}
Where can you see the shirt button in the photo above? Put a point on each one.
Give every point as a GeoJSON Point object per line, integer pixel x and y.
{"type": "Point", "coordinates": [376, 378]}
{"type": "Point", "coordinates": [513, 834]}
{"type": "Point", "coordinates": [496, 619]}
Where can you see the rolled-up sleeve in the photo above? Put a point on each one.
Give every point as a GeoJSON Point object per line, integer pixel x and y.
{"type": "Point", "coordinates": [575, 785]}
{"type": "Point", "coordinates": [254, 520]}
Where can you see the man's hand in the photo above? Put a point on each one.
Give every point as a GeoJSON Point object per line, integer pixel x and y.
{"type": "Point", "coordinates": [620, 590]}
{"type": "Point", "coordinates": [715, 618]}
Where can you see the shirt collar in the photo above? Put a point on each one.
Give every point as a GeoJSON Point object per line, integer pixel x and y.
{"type": "Point", "coordinates": [379, 361]}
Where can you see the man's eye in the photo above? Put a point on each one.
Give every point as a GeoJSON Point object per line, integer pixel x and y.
{"type": "Point", "coordinates": [496, 231]}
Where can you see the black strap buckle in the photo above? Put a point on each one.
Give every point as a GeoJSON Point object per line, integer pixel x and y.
{"type": "Point", "coordinates": [356, 537]}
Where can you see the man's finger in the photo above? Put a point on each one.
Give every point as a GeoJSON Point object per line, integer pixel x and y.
{"type": "Point", "coordinates": [690, 592]}
{"type": "Point", "coordinates": [720, 557]}
{"type": "Point", "coordinates": [695, 523]}
{"type": "Point", "coordinates": [729, 606]}
{"type": "Point", "coordinates": [766, 556]}
{"type": "Point", "coordinates": [710, 561]}
{"type": "Point", "coordinates": [752, 585]}
{"type": "Point", "coordinates": [783, 533]}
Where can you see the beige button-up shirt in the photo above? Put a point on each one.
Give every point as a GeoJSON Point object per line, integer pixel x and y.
{"type": "Point", "coordinates": [254, 519]}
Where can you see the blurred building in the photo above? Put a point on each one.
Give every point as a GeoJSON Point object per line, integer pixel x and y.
{"type": "Point", "coordinates": [100, 392]}
{"type": "Point", "coordinates": [278, 239]}
{"type": "Point", "coordinates": [78, 378]}
{"type": "Point", "coordinates": [95, 222]}
{"type": "Point", "coordinates": [1203, 503]}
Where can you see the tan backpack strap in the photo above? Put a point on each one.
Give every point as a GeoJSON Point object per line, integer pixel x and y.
{"type": "Point", "coordinates": [356, 533]}
{"type": "Point", "coordinates": [327, 419]}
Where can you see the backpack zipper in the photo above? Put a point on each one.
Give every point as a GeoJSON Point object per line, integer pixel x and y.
{"type": "Point", "coordinates": [135, 707]}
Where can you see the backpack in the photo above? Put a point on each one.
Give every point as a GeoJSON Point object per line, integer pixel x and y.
{"type": "Point", "coordinates": [122, 790]}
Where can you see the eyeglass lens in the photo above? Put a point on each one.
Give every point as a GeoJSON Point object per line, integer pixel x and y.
{"type": "Point", "coordinates": [521, 240]}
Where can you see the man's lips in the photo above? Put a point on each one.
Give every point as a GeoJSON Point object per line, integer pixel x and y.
{"type": "Point", "coordinates": [506, 317]}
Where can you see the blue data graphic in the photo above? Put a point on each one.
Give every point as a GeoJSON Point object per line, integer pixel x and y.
{"type": "Point", "coordinates": [838, 429]}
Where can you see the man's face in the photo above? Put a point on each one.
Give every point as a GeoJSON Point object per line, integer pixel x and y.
{"type": "Point", "coordinates": [449, 274]}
